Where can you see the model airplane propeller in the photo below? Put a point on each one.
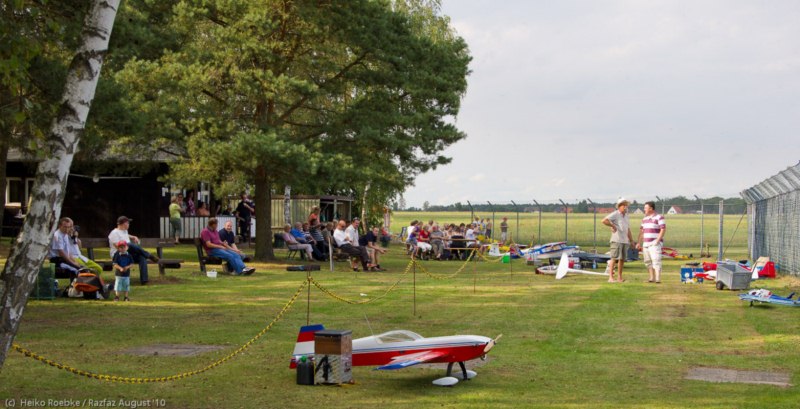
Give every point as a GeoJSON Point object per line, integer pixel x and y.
{"type": "Point", "coordinates": [401, 348]}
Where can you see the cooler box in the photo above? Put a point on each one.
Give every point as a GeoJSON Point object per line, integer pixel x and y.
{"type": "Point", "coordinates": [46, 285]}
{"type": "Point", "coordinates": [732, 276]}
{"type": "Point", "coordinates": [333, 356]}
{"type": "Point", "coordinates": [687, 274]}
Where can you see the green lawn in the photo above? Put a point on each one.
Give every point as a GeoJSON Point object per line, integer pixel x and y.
{"type": "Point", "coordinates": [579, 342]}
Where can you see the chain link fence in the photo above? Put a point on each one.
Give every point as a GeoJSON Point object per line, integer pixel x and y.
{"type": "Point", "coordinates": [774, 211]}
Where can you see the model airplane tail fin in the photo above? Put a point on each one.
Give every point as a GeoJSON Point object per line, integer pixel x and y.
{"type": "Point", "coordinates": [305, 343]}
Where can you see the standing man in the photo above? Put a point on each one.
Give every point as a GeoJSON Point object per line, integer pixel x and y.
{"type": "Point", "coordinates": [504, 230]}
{"type": "Point", "coordinates": [244, 212]}
{"type": "Point", "coordinates": [651, 239]}
{"type": "Point", "coordinates": [139, 254]}
{"type": "Point", "coordinates": [621, 238]}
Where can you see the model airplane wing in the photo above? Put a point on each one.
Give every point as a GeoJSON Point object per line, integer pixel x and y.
{"type": "Point", "coordinates": [404, 361]}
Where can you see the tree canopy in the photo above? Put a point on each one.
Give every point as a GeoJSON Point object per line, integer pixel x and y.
{"type": "Point", "coordinates": [323, 96]}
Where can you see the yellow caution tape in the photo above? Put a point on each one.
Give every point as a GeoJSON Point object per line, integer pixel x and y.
{"type": "Point", "coordinates": [122, 379]}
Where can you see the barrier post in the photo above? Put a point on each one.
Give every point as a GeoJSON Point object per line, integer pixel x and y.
{"type": "Point", "coordinates": [308, 298]}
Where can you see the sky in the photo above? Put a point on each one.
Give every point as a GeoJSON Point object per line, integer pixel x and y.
{"type": "Point", "coordinates": [601, 99]}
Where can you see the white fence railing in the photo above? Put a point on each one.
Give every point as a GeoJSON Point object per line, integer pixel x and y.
{"type": "Point", "coordinates": [191, 226]}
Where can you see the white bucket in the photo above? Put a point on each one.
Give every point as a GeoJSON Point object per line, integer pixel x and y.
{"type": "Point", "coordinates": [211, 274]}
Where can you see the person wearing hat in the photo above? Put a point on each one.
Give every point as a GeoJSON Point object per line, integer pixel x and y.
{"type": "Point", "coordinates": [122, 263]}
{"type": "Point", "coordinates": [139, 254]}
{"type": "Point", "coordinates": [621, 238]}
{"type": "Point", "coordinates": [504, 230]}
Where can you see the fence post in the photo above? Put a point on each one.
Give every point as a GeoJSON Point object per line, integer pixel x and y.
{"type": "Point", "coordinates": [491, 206]}
{"type": "Point", "coordinates": [594, 238]}
{"type": "Point", "coordinates": [702, 212]}
{"type": "Point", "coordinates": [566, 220]}
{"type": "Point", "coordinates": [540, 220]}
{"type": "Point", "coordinates": [516, 210]}
{"type": "Point", "coordinates": [719, 237]}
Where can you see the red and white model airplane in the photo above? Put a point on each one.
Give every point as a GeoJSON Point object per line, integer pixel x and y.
{"type": "Point", "coordinates": [400, 349]}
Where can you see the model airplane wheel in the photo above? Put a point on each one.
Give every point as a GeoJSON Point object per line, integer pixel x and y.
{"type": "Point", "coordinates": [446, 381]}
{"type": "Point", "coordinates": [460, 375]}
{"type": "Point", "coordinates": [720, 286]}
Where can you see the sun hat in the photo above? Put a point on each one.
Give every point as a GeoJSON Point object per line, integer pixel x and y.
{"type": "Point", "coordinates": [622, 200]}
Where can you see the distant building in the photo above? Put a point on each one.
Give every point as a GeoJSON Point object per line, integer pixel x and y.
{"type": "Point", "coordinates": [638, 211]}
{"type": "Point", "coordinates": [675, 210]}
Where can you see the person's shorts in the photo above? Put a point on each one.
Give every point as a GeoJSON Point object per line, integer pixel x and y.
{"type": "Point", "coordinates": [122, 284]}
{"type": "Point", "coordinates": [176, 225]}
{"type": "Point", "coordinates": [619, 251]}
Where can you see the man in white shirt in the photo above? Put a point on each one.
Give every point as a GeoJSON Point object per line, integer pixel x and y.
{"type": "Point", "coordinates": [139, 254]}
{"type": "Point", "coordinates": [345, 243]}
{"type": "Point", "coordinates": [60, 248]}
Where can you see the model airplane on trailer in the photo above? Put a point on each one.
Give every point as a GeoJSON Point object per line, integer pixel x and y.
{"type": "Point", "coordinates": [401, 348]}
{"type": "Point", "coordinates": [767, 297]}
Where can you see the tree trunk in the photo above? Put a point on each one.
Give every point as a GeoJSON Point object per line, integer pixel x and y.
{"type": "Point", "coordinates": [5, 142]}
{"type": "Point", "coordinates": [263, 195]}
{"type": "Point", "coordinates": [364, 209]}
{"type": "Point", "coordinates": [287, 204]}
{"type": "Point", "coordinates": [22, 267]}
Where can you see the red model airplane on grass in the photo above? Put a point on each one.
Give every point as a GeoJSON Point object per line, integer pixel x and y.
{"type": "Point", "coordinates": [401, 348]}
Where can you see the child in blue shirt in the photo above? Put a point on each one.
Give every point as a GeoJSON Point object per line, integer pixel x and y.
{"type": "Point", "coordinates": [122, 270]}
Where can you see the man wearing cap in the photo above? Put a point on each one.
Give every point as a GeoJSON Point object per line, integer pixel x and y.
{"type": "Point", "coordinates": [139, 254]}
{"type": "Point", "coordinates": [621, 238]}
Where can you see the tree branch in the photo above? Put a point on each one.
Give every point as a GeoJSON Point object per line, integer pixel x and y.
{"type": "Point", "coordinates": [338, 75]}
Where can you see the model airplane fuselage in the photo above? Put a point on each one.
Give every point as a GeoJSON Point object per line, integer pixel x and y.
{"type": "Point", "coordinates": [551, 250]}
{"type": "Point", "coordinates": [767, 297]}
{"type": "Point", "coordinates": [401, 348]}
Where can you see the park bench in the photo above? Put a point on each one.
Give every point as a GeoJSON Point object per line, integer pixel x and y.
{"type": "Point", "coordinates": [92, 243]}
{"type": "Point", "coordinates": [204, 259]}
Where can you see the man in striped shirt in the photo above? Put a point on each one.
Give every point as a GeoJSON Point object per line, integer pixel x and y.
{"type": "Point", "coordinates": [651, 238]}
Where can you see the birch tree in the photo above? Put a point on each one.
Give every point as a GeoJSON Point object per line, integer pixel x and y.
{"type": "Point", "coordinates": [30, 249]}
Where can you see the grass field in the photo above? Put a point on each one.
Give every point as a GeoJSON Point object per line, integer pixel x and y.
{"type": "Point", "coordinates": [683, 231]}
{"type": "Point", "coordinates": [578, 342]}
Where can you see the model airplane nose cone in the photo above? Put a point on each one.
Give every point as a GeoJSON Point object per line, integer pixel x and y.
{"type": "Point", "coordinates": [490, 344]}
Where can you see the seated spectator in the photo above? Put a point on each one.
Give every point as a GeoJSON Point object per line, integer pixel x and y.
{"type": "Point", "coordinates": [298, 233]}
{"type": "Point", "coordinates": [437, 242]}
{"type": "Point", "coordinates": [315, 229]}
{"type": "Point", "coordinates": [227, 235]}
{"type": "Point", "coordinates": [326, 235]}
{"type": "Point", "coordinates": [370, 242]}
{"type": "Point", "coordinates": [424, 241]}
{"type": "Point", "coordinates": [139, 254]}
{"type": "Point", "coordinates": [471, 236]}
{"type": "Point", "coordinates": [411, 236]}
{"type": "Point", "coordinates": [60, 248]}
{"type": "Point", "coordinates": [78, 257]}
{"type": "Point", "coordinates": [343, 241]}
{"type": "Point", "coordinates": [215, 247]}
{"type": "Point", "coordinates": [385, 236]}
{"type": "Point", "coordinates": [293, 244]}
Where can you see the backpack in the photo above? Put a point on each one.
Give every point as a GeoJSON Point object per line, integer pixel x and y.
{"type": "Point", "coordinates": [89, 284]}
